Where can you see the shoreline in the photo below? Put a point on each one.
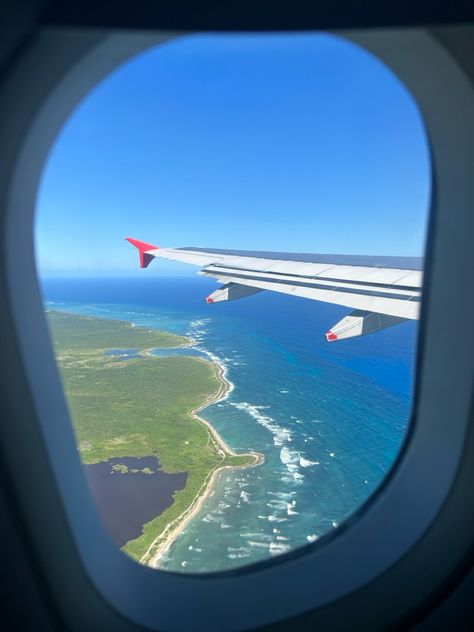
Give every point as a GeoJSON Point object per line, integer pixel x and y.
{"type": "Point", "coordinates": [162, 543]}
{"type": "Point", "coordinates": [164, 540]}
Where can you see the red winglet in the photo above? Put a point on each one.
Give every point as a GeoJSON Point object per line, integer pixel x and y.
{"type": "Point", "coordinates": [331, 336]}
{"type": "Point", "coordinates": [209, 300]}
{"type": "Point", "coordinates": [145, 257]}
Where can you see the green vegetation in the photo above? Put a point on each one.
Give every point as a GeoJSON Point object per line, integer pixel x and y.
{"type": "Point", "coordinates": [139, 406]}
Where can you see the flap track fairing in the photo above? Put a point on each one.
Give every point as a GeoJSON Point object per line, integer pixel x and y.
{"type": "Point", "coordinates": [361, 323]}
{"type": "Point", "coordinates": [231, 292]}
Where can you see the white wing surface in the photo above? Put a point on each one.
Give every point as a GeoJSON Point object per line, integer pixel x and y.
{"type": "Point", "coordinates": [382, 291]}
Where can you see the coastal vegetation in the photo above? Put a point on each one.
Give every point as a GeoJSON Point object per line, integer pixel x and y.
{"type": "Point", "coordinates": [143, 405]}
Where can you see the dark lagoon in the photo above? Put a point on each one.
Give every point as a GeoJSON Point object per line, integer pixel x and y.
{"type": "Point", "coordinates": [126, 500]}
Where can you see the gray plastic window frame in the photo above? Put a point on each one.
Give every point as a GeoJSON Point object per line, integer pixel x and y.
{"type": "Point", "coordinates": [51, 77]}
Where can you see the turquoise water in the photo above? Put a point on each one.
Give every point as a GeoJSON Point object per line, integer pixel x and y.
{"type": "Point", "coordinates": [330, 418]}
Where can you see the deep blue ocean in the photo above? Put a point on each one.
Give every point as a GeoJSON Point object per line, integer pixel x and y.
{"type": "Point", "coordinates": [329, 417]}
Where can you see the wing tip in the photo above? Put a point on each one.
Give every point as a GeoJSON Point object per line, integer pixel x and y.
{"type": "Point", "coordinates": [331, 336]}
{"type": "Point", "coordinates": [143, 247]}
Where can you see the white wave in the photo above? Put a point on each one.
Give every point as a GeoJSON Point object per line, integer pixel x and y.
{"type": "Point", "coordinates": [222, 365]}
{"type": "Point", "coordinates": [210, 518]}
{"type": "Point", "coordinates": [312, 537]}
{"type": "Point", "coordinates": [335, 524]}
{"type": "Point", "coordinates": [272, 518]}
{"type": "Point", "coordinates": [245, 496]}
{"type": "Point", "coordinates": [280, 434]}
{"type": "Point", "coordinates": [296, 477]}
{"type": "Point", "coordinates": [224, 525]}
{"type": "Point", "coordinates": [307, 462]}
{"type": "Point", "coordinates": [332, 454]}
{"type": "Point", "coordinates": [284, 391]}
{"type": "Point", "coordinates": [255, 534]}
{"type": "Point", "coordinates": [277, 504]}
{"type": "Point", "coordinates": [281, 494]}
{"type": "Point", "coordinates": [259, 545]}
{"type": "Point", "coordinates": [234, 556]}
{"type": "Point", "coordinates": [236, 549]}
{"type": "Point", "coordinates": [282, 537]}
{"type": "Point", "coordinates": [290, 508]}
{"type": "Point", "coordinates": [288, 456]}
{"type": "Point", "coordinates": [277, 548]}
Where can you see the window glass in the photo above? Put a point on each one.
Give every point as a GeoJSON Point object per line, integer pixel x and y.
{"type": "Point", "coordinates": [219, 434]}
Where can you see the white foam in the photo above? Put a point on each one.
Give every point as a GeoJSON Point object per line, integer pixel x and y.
{"type": "Point", "coordinates": [277, 504]}
{"type": "Point", "coordinates": [288, 456]}
{"type": "Point", "coordinates": [210, 518]}
{"type": "Point", "coordinates": [290, 508]}
{"type": "Point", "coordinates": [277, 548]}
{"type": "Point", "coordinates": [272, 518]}
{"type": "Point", "coordinates": [280, 434]}
{"type": "Point", "coordinates": [312, 537]}
{"type": "Point", "coordinates": [254, 534]}
{"type": "Point", "coordinates": [307, 462]}
{"type": "Point", "coordinates": [245, 496]}
{"type": "Point", "coordinates": [259, 545]}
{"type": "Point", "coordinates": [282, 494]}
{"type": "Point", "coordinates": [236, 549]}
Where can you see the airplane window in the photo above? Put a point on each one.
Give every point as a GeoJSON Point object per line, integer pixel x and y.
{"type": "Point", "coordinates": [235, 415]}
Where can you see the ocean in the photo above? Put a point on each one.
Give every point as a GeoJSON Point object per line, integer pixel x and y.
{"type": "Point", "coordinates": [330, 418]}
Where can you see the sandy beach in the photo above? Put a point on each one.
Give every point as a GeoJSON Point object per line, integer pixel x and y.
{"type": "Point", "coordinates": [164, 541]}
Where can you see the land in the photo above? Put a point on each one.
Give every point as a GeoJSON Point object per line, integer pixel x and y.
{"type": "Point", "coordinates": [144, 406]}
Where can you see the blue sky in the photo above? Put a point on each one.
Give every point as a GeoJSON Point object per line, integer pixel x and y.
{"type": "Point", "coordinates": [301, 143]}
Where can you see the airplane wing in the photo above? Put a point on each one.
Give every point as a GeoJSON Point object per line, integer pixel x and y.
{"type": "Point", "coordinates": [382, 291]}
